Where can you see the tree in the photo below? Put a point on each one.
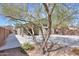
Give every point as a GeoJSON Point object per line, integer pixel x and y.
{"type": "Point", "coordinates": [63, 16]}
{"type": "Point", "coordinates": [51, 12]}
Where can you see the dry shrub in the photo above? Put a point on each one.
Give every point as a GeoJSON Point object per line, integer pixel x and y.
{"type": "Point", "coordinates": [76, 51]}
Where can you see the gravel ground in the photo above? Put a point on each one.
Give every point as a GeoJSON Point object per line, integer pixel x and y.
{"type": "Point", "coordinates": [62, 52]}
{"type": "Point", "coordinates": [70, 40]}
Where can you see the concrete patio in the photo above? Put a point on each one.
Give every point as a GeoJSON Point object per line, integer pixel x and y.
{"type": "Point", "coordinates": [11, 47]}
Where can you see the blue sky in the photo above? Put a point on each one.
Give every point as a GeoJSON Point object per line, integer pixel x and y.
{"type": "Point", "coordinates": [4, 21]}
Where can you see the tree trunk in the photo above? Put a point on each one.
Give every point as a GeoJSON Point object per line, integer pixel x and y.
{"type": "Point", "coordinates": [44, 48]}
{"type": "Point", "coordinates": [45, 43]}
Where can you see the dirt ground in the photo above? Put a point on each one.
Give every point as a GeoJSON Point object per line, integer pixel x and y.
{"type": "Point", "coordinates": [67, 51]}
{"type": "Point", "coordinates": [62, 52]}
{"type": "Point", "coordinates": [12, 52]}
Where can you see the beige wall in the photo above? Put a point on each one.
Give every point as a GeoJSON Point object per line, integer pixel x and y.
{"type": "Point", "coordinates": [3, 34]}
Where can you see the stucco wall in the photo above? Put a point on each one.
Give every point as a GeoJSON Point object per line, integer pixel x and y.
{"type": "Point", "coordinates": [3, 35]}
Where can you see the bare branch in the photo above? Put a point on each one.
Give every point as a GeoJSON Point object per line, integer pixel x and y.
{"type": "Point", "coordinates": [52, 9]}
{"type": "Point", "coordinates": [46, 7]}
{"type": "Point", "coordinates": [57, 48]}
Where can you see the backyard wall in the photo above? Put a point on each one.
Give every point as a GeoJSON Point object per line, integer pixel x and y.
{"type": "Point", "coordinates": [3, 35]}
{"type": "Point", "coordinates": [66, 31]}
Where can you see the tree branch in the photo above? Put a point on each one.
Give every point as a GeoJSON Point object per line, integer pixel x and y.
{"type": "Point", "coordinates": [52, 9]}
{"type": "Point", "coordinates": [56, 49]}
{"type": "Point", "coordinates": [46, 7]}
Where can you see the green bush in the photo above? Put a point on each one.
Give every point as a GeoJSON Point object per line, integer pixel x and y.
{"type": "Point", "coordinates": [28, 46]}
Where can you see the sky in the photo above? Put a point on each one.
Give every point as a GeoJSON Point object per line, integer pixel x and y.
{"type": "Point", "coordinates": [4, 21]}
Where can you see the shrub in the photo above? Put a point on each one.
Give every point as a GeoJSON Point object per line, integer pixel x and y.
{"type": "Point", "coordinates": [76, 51]}
{"type": "Point", "coordinates": [28, 46]}
{"type": "Point", "coordinates": [23, 51]}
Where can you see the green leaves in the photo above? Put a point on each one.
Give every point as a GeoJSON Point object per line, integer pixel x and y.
{"type": "Point", "coordinates": [27, 46]}
{"type": "Point", "coordinates": [13, 11]}
{"type": "Point", "coordinates": [62, 15]}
